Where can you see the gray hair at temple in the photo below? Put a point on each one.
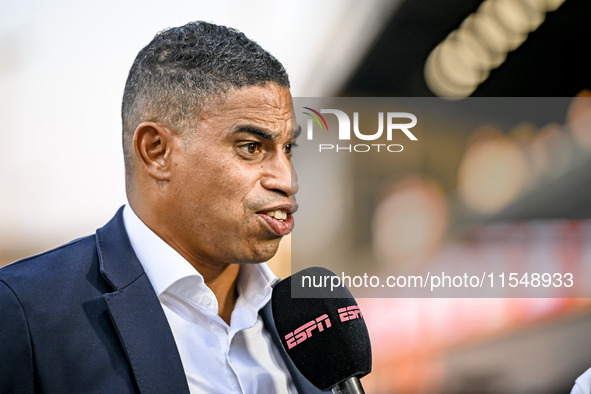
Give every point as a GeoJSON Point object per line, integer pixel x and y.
{"type": "Point", "coordinates": [185, 67]}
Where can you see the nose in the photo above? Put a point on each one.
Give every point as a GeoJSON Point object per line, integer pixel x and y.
{"type": "Point", "coordinates": [280, 175]}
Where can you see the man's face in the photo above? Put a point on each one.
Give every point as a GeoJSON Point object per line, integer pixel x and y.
{"type": "Point", "coordinates": [233, 183]}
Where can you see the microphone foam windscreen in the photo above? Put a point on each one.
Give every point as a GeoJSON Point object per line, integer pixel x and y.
{"type": "Point", "coordinates": [326, 338]}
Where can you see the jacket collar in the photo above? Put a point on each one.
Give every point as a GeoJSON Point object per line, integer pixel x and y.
{"type": "Point", "coordinates": [118, 262]}
{"type": "Point", "coordinates": [137, 314]}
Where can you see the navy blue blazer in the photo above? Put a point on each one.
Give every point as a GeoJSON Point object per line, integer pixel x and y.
{"type": "Point", "coordinates": [84, 318]}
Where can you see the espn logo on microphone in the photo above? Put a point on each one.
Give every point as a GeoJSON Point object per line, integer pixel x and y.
{"type": "Point", "coordinates": [319, 324]}
{"type": "Point", "coordinates": [349, 313]}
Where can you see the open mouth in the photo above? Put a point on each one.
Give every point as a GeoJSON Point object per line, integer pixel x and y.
{"type": "Point", "coordinates": [280, 221]}
{"type": "Point", "coordinates": [278, 214]}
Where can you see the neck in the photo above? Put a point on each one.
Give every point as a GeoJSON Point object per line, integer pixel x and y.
{"type": "Point", "coordinates": [222, 283]}
{"type": "Point", "coordinates": [221, 279]}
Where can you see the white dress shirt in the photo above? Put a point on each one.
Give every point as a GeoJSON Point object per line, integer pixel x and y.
{"type": "Point", "coordinates": [583, 384]}
{"type": "Point", "coordinates": [216, 357]}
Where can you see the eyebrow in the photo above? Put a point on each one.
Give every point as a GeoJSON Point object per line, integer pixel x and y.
{"type": "Point", "coordinates": [264, 134]}
{"type": "Point", "coordinates": [256, 131]}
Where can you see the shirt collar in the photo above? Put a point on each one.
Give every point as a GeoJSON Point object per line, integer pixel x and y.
{"type": "Point", "coordinates": [255, 284]}
{"type": "Point", "coordinates": [163, 265]}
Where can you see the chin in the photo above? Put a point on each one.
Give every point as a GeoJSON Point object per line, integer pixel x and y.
{"type": "Point", "coordinates": [263, 252]}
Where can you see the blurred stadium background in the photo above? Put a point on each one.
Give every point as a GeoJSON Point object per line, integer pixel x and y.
{"type": "Point", "coordinates": [63, 66]}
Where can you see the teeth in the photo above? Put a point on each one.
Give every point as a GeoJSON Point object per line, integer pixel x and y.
{"type": "Point", "coordinates": [278, 214]}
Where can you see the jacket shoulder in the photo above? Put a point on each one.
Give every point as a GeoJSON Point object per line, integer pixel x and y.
{"type": "Point", "coordinates": [63, 260]}
{"type": "Point", "coordinates": [57, 277]}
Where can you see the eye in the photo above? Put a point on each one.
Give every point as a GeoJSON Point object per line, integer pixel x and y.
{"type": "Point", "coordinates": [287, 149]}
{"type": "Point", "coordinates": [251, 148]}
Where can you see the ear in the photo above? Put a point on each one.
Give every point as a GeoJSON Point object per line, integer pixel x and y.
{"type": "Point", "coordinates": [153, 145]}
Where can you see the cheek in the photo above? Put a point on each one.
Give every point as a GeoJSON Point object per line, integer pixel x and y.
{"type": "Point", "coordinates": [226, 189]}
{"type": "Point", "coordinates": [217, 183]}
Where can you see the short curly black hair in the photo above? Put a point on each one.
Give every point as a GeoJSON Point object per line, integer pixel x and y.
{"type": "Point", "coordinates": [182, 68]}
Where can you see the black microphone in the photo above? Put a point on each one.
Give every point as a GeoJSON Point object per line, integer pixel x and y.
{"type": "Point", "coordinates": [326, 338]}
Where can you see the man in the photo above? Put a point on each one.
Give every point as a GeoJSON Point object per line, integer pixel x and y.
{"type": "Point", "coordinates": [170, 295]}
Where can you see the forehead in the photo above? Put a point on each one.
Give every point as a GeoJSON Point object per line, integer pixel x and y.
{"type": "Point", "coordinates": [269, 106]}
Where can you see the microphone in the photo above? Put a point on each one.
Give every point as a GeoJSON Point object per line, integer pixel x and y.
{"type": "Point", "coordinates": [325, 338]}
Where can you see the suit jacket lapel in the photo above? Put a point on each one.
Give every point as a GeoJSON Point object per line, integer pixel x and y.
{"type": "Point", "coordinates": [137, 314]}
